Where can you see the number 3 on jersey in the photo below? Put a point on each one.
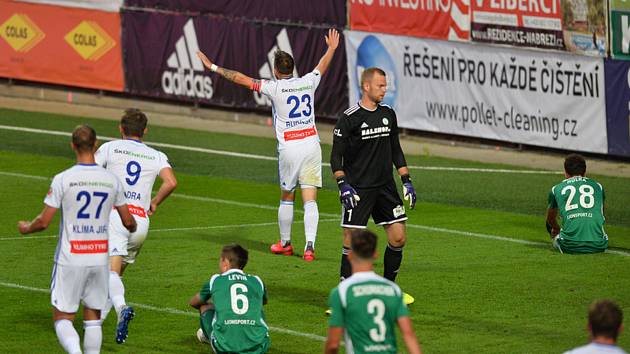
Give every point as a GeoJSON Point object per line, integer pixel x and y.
{"type": "Point", "coordinates": [295, 102]}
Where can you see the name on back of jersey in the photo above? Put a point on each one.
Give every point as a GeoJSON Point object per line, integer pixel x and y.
{"type": "Point", "coordinates": [372, 289]}
{"type": "Point", "coordinates": [237, 277]}
{"type": "Point", "coordinates": [295, 123]}
{"type": "Point", "coordinates": [89, 229]}
{"type": "Point", "coordinates": [133, 195]}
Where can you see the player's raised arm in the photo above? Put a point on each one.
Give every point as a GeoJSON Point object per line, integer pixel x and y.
{"type": "Point", "coordinates": [332, 39]}
{"type": "Point", "coordinates": [230, 75]}
{"type": "Point", "coordinates": [406, 329]}
{"type": "Point", "coordinates": [40, 222]}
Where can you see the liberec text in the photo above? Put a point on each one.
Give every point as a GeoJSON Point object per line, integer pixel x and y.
{"type": "Point", "coordinates": [552, 77]}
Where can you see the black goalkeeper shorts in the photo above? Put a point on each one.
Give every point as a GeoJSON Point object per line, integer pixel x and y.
{"type": "Point", "coordinates": [383, 204]}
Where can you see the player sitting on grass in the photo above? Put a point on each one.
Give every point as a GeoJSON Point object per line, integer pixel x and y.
{"type": "Point", "coordinates": [230, 306]}
{"type": "Point", "coordinates": [580, 202]}
{"type": "Point", "coordinates": [86, 194]}
{"type": "Point", "coordinates": [367, 307]}
{"type": "Point", "coordinates": [604, 326]}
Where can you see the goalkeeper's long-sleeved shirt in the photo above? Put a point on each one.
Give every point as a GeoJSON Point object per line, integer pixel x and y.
{"type": "Point", "coordinates": [366, 145]}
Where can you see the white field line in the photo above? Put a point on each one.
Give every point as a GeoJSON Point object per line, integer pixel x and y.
{"type": "Point", "coordinates": [173, 311]}
{"type": "Point", "coordinates": [231, 226]}
{"type": "Point", "coordinates": [273, 158]}
{"type": "Point", "coordinates": [413, 226]}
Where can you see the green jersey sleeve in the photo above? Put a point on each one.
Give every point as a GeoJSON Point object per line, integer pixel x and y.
{"type": "Point", "coordinates": [552, 203]}
{"type": "Point", "coordinates": [206, 289]}
{"type": "Point", "coordinates": [337, 315]}
{"type": "Point", "coordinates": [403, 311]}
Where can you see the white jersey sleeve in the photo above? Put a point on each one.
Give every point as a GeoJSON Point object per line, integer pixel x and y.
{"type": "Point", "coordinates": [268, 87]}
{"type": "Point", "coordinates": [102, 154]}
{"type": "Point", "coordinates": [55, 193]}
{"type": "Point", "coordinates": [314, 77]}
{"type": "Point", "coordinates": [162, 161]}
{"type": "Point", "coordinates": [119, 198]}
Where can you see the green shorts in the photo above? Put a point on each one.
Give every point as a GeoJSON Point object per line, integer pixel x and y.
{"type": "Point", "coordinates": [205, 321]}
{"type": "Point", "coordinates": [568, 246]}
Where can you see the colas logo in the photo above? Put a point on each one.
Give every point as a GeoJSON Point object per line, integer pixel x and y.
{"type": "Point", "coordinates": [21, 33]}
{"type": "Point", "coordinates": [89, 40]}
{"type": "Point", "coordinates": [181, 77]}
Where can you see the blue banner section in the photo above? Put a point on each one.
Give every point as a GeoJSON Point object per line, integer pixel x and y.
{"type": "Point", "coordinates": [617, 106]}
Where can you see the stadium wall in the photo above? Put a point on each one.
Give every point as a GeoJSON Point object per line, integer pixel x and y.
{"type": "Point", "coordinates": [151, 42]}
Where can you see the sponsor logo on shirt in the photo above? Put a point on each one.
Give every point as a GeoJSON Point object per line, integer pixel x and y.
{"type": "Point", "coordinates": [398, 211]}
{"type": "Point", "coordinates": [299, 134]}
{"type": "Point", "coordinates": [371, 133]}
{"type": "Point", "coordinates": [299, 89]}
{"type": "Point", "coordinates": [134, 154]}
{"type": "Point", "coordinates": [136, 210]}
{"type": "Point", "coordinates": [88, 246]}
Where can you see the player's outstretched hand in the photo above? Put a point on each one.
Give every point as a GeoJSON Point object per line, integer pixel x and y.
{"type": "Point", "coordinates": [204, 59]}
{"type": "Point", "coordinates": [332, 39]}
{"type": "Point", "coordinates": [409, 193]}
{"type": "Point", "coordinates": [23, 227]}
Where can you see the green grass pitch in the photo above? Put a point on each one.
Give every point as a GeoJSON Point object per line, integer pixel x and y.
{"type": "Point", "coordinates": [477, 260]}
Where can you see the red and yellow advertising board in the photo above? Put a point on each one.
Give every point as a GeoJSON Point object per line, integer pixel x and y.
{"type": "Point", "coordinates": [440, 19]}
{"type": "Point", "coordinates": [61, 45]}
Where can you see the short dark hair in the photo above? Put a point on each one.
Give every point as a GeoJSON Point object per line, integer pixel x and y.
{"type": "Point", "coordinates": [575, 165]}
{"type": "Point", "coordinates": [84, 138]}
{"type": "Point", "coordinates": [236, 255]}
{"type": "Point", "coordinates": [134, 122]}
{"type": "Point", "coordinates": [368, 74]}
{"type": "Point", "coordinates": [363, 244]}
{"type": "Point", "coordinates": [283, 62]}
{"type": "Point", "coordinates": [605, 318]}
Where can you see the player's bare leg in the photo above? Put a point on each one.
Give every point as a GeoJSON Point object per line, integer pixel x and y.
{"type": "Point", "coordinates": [311, 219]}
{"type": "Point", "coordinates": [392, 258]}
{"type": "Point", "coordinates": [285, 220]}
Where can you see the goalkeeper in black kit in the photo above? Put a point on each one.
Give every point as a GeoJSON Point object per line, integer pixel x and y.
{"type": "Point", "coordinates": [365, 146]}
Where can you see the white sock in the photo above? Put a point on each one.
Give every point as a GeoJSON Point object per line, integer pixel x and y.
{"type": "Point", "coordinates": [93, 336]}
{"type": "Point", "coordinates": [105, 311]}
{"type": "Point", "coordinates": [311, 218]}
{"type": "Point", "coordinates": [285, 219]}
{"type": "Point", "coordinates": [68, 336]}
{"type": "Point", "coordinates": [116, 291]}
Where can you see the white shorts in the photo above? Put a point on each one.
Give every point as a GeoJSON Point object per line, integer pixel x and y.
{"type": "Point", "coordinates": [72, 284]}
{"type": "Point", "coordinates": [300, 164]}
{"type": "Point", "coordinates": [122, 242]}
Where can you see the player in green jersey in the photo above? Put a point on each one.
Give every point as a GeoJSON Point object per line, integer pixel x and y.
{"type": "Point", "coordinates": [366, 307]}
{"type": "Point", "coordinates": [230, 305]}
{"type": "Point", "coordinates": [579, 201]}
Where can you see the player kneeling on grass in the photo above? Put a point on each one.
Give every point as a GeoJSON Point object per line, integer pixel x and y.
{"type": "Point", "coordinates": [86, 194]}
{"type": "Point", "coordinates": [366, 307]}
{"type": "Point", "coordinates": [580, 202]}
{"type": "Point", "coordinates": [230, 306]}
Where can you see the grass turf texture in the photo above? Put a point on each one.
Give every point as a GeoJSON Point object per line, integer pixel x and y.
{"type": "Point", "coordinates": [472, 294]}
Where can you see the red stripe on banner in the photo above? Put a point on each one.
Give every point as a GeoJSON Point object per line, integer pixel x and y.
{"type": "Point", "coordinates": [299, 134]}
{"type": "Point", "coordinates": [88, 246]}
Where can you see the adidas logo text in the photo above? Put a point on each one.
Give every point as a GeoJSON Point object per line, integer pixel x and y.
{"type": "Point", "coordinates": [181, 78]}
{"type": "Point", "coordinates": [266, 71]}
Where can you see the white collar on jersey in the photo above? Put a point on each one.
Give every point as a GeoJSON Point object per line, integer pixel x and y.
{"type": "Point", "coordinates": [233, 270]}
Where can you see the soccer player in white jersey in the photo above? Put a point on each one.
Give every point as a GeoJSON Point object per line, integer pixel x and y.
{"type": "Point", "coordinates": [137, 166]}
{"type": "Point", "coordinates": [299, 153]}
{"type": "Point", "coordinates": [605, 323]}
{"type": "Point", "coordinates": [86, 194]}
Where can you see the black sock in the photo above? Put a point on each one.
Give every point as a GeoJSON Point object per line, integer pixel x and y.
{"type": "Point", "coordinates": [345, 271]}
{"type": "Point", "coordinates": [392, 259]}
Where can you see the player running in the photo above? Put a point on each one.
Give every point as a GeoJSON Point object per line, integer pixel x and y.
{"type": "Point", "coordinates": [230, 306]}
{"type": "Point", "coordinates": [137, 166]}
{"type": "Point", "coordinates": [365, 146]}
{"type": "Point", "coordinates": [299, 152]}
{"type": "Point", "coordinates": [86, 194]}
{"type": "Point", "coordinates": [580, 201]}
{"type": "Point", "coordinates": [366, 307]}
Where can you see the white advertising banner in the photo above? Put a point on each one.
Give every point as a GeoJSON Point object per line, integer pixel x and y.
{"type": "Point", "coordinates": [547, 99]}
